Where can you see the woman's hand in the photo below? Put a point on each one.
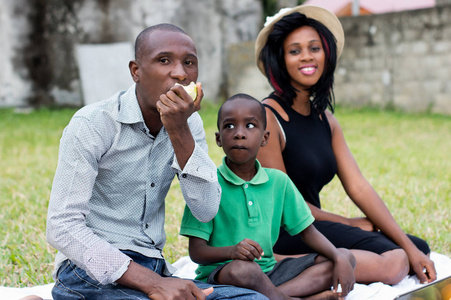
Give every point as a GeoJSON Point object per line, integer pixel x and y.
{"type": "Point", "coordinates": [423, 266]}
{"type": "Point", "coordinates": [363, 223]}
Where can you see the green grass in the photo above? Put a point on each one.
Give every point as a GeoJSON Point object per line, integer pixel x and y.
{"type": "Point", "coordinates": [406, 157]}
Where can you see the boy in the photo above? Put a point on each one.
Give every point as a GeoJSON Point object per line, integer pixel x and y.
{"type": "Point", "coordinates": [236, 246]}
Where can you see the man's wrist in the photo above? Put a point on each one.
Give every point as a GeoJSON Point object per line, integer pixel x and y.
{"type": "Point", "coordinates": [139, 278]}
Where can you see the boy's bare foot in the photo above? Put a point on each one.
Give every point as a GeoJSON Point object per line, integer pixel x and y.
{"type": "Point", "coordinates": [31, 297]}
{"type": "Point", "coordinates": [326, 295]}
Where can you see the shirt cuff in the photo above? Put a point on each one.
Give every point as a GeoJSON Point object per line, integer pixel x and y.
{"type": "Point", "coordinates": [198, 165]}
{"type": "Point", "coordinates": [105, 263]}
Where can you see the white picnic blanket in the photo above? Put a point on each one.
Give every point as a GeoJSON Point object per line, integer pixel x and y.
{"type": "Point", "coordinates": [374, 291]}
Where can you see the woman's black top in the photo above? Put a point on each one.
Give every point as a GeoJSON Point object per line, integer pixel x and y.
{"type": "Point", "coordinates": [310, 163]}
{"type": "Point", "coordinates": [308, 155]}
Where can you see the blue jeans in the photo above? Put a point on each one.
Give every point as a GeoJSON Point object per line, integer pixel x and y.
{"type": "Point", "coordinates": [73, 283]}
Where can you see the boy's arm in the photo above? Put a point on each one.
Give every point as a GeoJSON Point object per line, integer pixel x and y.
{"type": "Point", "coordinates": [201, 253]}
{"type": "Point", "coordinates": [343, 270]}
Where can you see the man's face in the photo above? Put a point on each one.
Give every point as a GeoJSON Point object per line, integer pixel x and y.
{"type": "Point", "coordinates": [168, 58]}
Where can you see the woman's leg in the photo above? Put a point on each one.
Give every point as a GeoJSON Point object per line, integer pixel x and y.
{"type": "Point", "coordinates": [389, 267]}
{"type": "Point", "coordinates": [378, 258]}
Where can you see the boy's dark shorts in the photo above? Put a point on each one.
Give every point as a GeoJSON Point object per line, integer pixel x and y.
{"type": "Point", "coordinates": [282, 272]}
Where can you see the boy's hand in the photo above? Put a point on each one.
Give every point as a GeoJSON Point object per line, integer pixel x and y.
{"type": "Point", "coordinates": [246, 250]}
{"type": "Point", "coordinates": [343, 274]}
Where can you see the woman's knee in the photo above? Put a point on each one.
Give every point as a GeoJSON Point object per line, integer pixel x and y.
{"type": "Point", "coordinates": [349, 256]}
{"type": "Point", "coordinates": [395, 266]}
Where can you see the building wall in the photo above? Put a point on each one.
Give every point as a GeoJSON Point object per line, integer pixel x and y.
{"type": "Point", "coordinates": [441, 2]}
{"type": "Point", "coordinates": [37, 63]}
{"type": "Point", "coordinates": [398, 60]}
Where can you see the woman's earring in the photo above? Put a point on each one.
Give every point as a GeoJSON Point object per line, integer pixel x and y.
{"type": "Point", "coordinates": [312, 97]}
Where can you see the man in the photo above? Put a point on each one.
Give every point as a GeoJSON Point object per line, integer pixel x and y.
{"type": "Point", "coordinates": [117, 160]}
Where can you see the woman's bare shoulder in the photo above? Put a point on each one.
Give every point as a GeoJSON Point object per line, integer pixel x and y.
{"type": "Point", "coordinates": [276, 106]}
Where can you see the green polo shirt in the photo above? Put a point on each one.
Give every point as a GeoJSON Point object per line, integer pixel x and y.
{"type": "Point", "coordinates": [250, 209]}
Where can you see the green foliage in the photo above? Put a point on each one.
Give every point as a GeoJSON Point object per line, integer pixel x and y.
{"type": "Point", "coordinates": [271, 7]}
{"type": "Point", "coordinates": [404, 156]}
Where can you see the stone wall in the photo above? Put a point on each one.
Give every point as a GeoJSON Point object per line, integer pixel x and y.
{"type": "Point", "coordinates": [397, 60]}
{"type": "Point", "coordinates": [441, 2]}
{"type": "Point", "coordinates": [400, 60]}
{"type": "Point", "coordinates": [39, 37]}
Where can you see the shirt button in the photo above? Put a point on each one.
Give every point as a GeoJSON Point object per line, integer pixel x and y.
{"type": "Point", "coordinates": [184, 175]}
{"type": "Point", "coordinates": [152, 184]}
{"type": "Point", "coordinates": [246, 185]}
{"type": "Point", "coordinates": [147, 225]}
{"type": "Point", "coordinates": [250, 203]}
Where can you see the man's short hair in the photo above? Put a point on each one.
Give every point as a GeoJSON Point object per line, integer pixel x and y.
{"type": "Point", "coordinates": [142, 37]}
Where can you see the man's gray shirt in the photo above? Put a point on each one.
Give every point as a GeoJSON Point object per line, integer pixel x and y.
{"type": "Point", "coordinates": [110, 184]}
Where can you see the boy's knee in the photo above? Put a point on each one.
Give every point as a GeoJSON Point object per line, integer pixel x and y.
{"type": "Point", "coordinates": [246, 273]}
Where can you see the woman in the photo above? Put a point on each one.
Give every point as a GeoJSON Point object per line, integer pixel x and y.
{"type": "Point", "coordinates": [297, 51]}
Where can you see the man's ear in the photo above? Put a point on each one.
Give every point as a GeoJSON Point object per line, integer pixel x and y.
{"type": "Point", "coordinates": [134, 70]}
{"type": "Point", "coordinates": [265, 138]}
{"type": "Point", "coordinates": [218, 139]}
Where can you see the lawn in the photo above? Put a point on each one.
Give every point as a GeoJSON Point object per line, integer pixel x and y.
{"type": "Point", "coordinates": [406, 157]}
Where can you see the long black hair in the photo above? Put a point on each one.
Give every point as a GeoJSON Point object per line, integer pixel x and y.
{"type": "Point", "coordinates": [272, 56]}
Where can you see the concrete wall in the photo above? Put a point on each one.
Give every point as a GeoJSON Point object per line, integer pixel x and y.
{"type": "Point", "coordinates": [14, 29]}
{"type": "Point", "coordinates": [400, 60]}
{"type": "Point", "coordinates": [37, 61]}
{"type": "Point", "coordinates": [441, 2]}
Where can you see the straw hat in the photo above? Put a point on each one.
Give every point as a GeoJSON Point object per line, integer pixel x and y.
{"type": "Point", "coordinates": [322, 15]}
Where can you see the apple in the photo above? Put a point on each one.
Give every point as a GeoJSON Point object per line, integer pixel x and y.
{"type": "Point", "coordinates": [191, 89]}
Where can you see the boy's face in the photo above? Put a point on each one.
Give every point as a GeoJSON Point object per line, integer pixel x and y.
{"type": "Point", "coordinates": [241, 131]}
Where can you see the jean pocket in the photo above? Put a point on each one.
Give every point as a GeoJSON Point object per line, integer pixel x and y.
{"type": "Point", "coordinates": [79, 275]}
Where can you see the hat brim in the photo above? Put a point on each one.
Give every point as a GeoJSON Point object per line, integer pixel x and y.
{"type": "Point", "coordinates": [322, 15]}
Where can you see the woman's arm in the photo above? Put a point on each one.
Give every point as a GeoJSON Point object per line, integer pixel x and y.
{"type": "Point", "coordinates": [201, 253]}
{"type": "Point", "coordinates": [270, 156]}
{"type": "Point", "coordinates": [369, 202]}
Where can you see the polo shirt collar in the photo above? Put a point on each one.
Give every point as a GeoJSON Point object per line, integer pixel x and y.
{"type": "Point", "coordinates": [129, 109]}
{"type": "Point", "coordinates": [259, 178]}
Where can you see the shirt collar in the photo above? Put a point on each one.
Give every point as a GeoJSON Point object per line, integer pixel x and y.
{"type": "Point", "coordinates": [259, 178]}
{"type": "Point", "coordinates": [129, 109]}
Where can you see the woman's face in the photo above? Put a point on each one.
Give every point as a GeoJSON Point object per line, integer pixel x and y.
{"type": "Point", "coordinates": [304, 57]}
